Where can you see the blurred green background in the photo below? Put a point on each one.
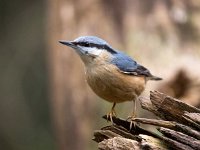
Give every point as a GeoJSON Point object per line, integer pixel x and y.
{"type": "Point", "coordinates": [45, 102]}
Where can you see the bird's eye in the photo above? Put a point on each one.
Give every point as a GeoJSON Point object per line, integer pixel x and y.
{"type": "Point", "coordinates": [86, 44]}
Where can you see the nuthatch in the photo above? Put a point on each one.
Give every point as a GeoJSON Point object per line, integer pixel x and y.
{"type": "Point", "coordinates": [113, 75]}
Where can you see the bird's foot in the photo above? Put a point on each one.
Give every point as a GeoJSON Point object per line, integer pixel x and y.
{"type": "Point", "coordinates": [110, 115]}
{"type": "Point", "coordinates": [132, 122]}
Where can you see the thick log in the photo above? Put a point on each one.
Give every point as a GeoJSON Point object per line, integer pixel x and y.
{"type": "Point", "coordinates": [179, 127]}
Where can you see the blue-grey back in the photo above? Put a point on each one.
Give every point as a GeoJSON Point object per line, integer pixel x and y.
{"type": "Point", "coordinates": [128, 65]}
{"type": "Point", "coordinates": [124, 62]}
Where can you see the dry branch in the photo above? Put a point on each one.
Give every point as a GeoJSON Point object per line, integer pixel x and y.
{"type": "Point", "coordinates": [181, 137]}
{"type": "Point", "coordinates": [179, 125]}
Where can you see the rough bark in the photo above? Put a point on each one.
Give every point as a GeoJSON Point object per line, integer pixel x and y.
{"type": "Point", "coordinates": [178, 124]}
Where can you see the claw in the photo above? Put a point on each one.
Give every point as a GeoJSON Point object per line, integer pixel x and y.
{"type": "Point", "coordinates": [133, 116]}
{"type": "Point", "coordinates": [111, 114]}
{"type": "Point", "coordinates": [132, 123]}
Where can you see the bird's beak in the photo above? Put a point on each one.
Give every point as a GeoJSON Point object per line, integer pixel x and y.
{"type": "Point", "coordinates": [74, 46]}
{"type": "Point", "coordinates": [68, 43]}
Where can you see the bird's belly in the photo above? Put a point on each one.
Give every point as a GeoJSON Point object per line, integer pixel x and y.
{"type": "Point", "coordinates": [115, 86]}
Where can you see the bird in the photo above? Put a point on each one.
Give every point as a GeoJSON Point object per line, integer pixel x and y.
{"type": "Point", "coordinates": [112, 75]}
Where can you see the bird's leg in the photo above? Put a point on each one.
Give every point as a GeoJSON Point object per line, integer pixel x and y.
{"type": "Point", "coordinates": [133, 114]}
{"type": "Point", "coordinates": [112, 113]}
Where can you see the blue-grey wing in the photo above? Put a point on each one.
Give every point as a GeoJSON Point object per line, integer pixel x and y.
{"type": "Point", "coordinates": [127, 65]}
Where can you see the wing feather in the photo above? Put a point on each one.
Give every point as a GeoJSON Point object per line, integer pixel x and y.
{"type": "Point", "coordinates": [129, 66]}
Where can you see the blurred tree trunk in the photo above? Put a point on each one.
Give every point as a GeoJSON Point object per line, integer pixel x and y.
{"type": "Point", "coordinates": [68, 92]}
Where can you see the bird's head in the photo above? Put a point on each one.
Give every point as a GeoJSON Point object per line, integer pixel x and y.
{"type": "Point", "coordinates": [89, 47]}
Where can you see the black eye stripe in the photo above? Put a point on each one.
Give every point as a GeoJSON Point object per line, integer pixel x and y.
{"type": "Point", "coordinates": [85, 44]}
{"type": "Point", "coordinates": [99, 46]}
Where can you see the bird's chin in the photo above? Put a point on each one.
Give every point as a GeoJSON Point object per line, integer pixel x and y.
{"type": "Point", "coordinates": [87, 59]}
{"type": "Point", "coordinates": [78, 50]}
